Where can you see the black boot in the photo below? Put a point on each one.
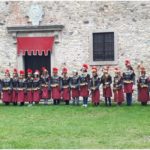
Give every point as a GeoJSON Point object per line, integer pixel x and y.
{"type": "Point", "coordinates": [119, 103]}
{"type": "Point", "coordinates": [15, 103]}
{"type": "Point", "coordinates": [6, 103]}
{"type": "Point", "coordinates": [22, 103]}
{"type": "Point", "coordinates": [67, 102]}
{"type": "Point", "coordinates": [54, 102]}
{"type": "Point", "coordinates": [143, 103]}
{"type": "Point", "coordinates": [58, 101]}
{"type": "Point", "coordinates": [36, 103]}
{"type": "Point", "coordinates": [106, 102]}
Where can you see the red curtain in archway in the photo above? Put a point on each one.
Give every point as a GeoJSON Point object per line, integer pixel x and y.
{"type": "Point", "coordinates": [34, 45]}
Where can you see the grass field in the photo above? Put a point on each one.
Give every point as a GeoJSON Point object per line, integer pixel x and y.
{"type": "Point", "coordinates": [74, 127]}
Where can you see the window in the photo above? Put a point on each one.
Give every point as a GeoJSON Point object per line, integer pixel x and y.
{"type": "Point", "coordinates": [103, 48]}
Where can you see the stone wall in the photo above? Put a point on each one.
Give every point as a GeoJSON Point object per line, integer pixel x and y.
{"type": "Point", "coordinates": [130, 21]}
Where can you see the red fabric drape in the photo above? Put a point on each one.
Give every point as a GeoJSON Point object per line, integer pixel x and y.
{"type": "Point", "coordinates": [35, 45]}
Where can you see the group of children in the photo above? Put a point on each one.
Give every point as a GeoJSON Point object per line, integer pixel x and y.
{"type": "Point", "coordinates": [18, 89]}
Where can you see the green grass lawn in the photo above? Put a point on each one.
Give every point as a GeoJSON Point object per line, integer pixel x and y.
{"type": "Point", "coordinates": [74, 127]}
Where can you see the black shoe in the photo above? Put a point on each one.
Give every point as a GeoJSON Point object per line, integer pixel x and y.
{"type": "Point", "coordinates": [22, 104]}
{"type": "Point", "coordinates": [15, 103]}
{"type": "Point", "coordinates": [6, 103]}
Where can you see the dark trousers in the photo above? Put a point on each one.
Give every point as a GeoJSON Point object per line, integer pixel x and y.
{"type": "Point", "coordinates": [107, 100]}
{"type": "Point", "coordinates": [56, 101]}
{"type": "Point", "coordinates": [129, 99]}
{"type": "Point", "coordinates": [85, 100]}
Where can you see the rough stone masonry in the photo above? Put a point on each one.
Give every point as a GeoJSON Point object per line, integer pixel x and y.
{"type": "Point", "coordinates": [129, 20]}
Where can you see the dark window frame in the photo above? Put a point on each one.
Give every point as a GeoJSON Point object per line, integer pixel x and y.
{"type": "Point", "coordinates": [110, 42]}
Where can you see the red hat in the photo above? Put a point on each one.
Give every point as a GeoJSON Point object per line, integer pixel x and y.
{"type": "Point", "coordinates": [15, 71]}
{"type": "Point", "coordinates": [44, 69]}
{"type": "Point", "coordinates": [64, 70]}
{"type": "Point", "coordinates": [94, 69]}
{"type": "Point", "coordinates": [85, 66]}
{"type": "Point", "coordinates": [55, 70]}
{"type": "Point", "coordinates": [127, 62]}
{"type": "Point", "coordinates": [143, 70]}
{"type": "Point", "coordinates": [6, 71]}
{"type": "Point", "coordinates": [29, 71]}
{"type": "Point", "coordinates": [22, 72]}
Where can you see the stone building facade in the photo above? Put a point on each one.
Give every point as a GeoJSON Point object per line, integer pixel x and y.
{"type": "Point", "coordinates": [128, 20]}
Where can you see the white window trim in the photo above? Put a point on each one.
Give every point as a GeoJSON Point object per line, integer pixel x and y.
{"type": "Point", "coordinates": [99, 63]}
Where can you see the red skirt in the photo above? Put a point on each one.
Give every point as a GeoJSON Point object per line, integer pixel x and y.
{"type": "Point", "coordinates": [143, 94]}
{"type": "Point", "coordinates": [107, 92]}
{"type": "Point", "coordinates": [7, 96]}
{"type": "Point", "coordinates": [21, 96]}
{"type": "Point", "coordinates": [84, 92]}
{"type": "Point", "coordinates": [45, 93]}
{"type": "Point", "coordinates": [14, 96]}
{"type": "Point", "coordinates": [138, 94]}
{"type": "Point", "coordinates": [118, 96]}
{"type": "Point", "coordinates": [128, 88]}
{"type": "Point", "coordinates": [56, 94]}
{"type": "Point", "coordinates": [29, 96]}
{"type": "Point", "coordinates": [36, 95]}
{"type": "Point", "coordinates": [75, 92]}
{"type": "Point", "coordinates": [66, 94]}
{"type": "Point", "coordinates": [96, 96]}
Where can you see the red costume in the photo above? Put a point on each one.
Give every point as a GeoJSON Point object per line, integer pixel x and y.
{"type": "Point", "coordinates": [65, 83]}
{"type": "Point", "coordinates": [106, 80]}
{"type": "Point", "coordinates": [56, 86]}
{"type": "Point", "coordinates": [29, 86]}
{"type": "Point", "coordinates": [45, 84]}
{"type": "Point", "coordinates": [94, 86]}
{"type": "Point", "coordinates": [7, 88]}
{"type": "Point", "coordinates": [84, 82]}
{"type": "Point", "coordinates": [14, 86]}
{"type": "Point", "coordinates": [143, 87]}
{"type": "Point", "coordinates": [74, 83]}
{"type": "Point", "coordinates": [118, 87]}
{"type": "Point", "coordinates": [21, 88]}
{"type": "Point", "coordinates": [36, 87]}
{"type": "Point", "coordinates": [128, 78]}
